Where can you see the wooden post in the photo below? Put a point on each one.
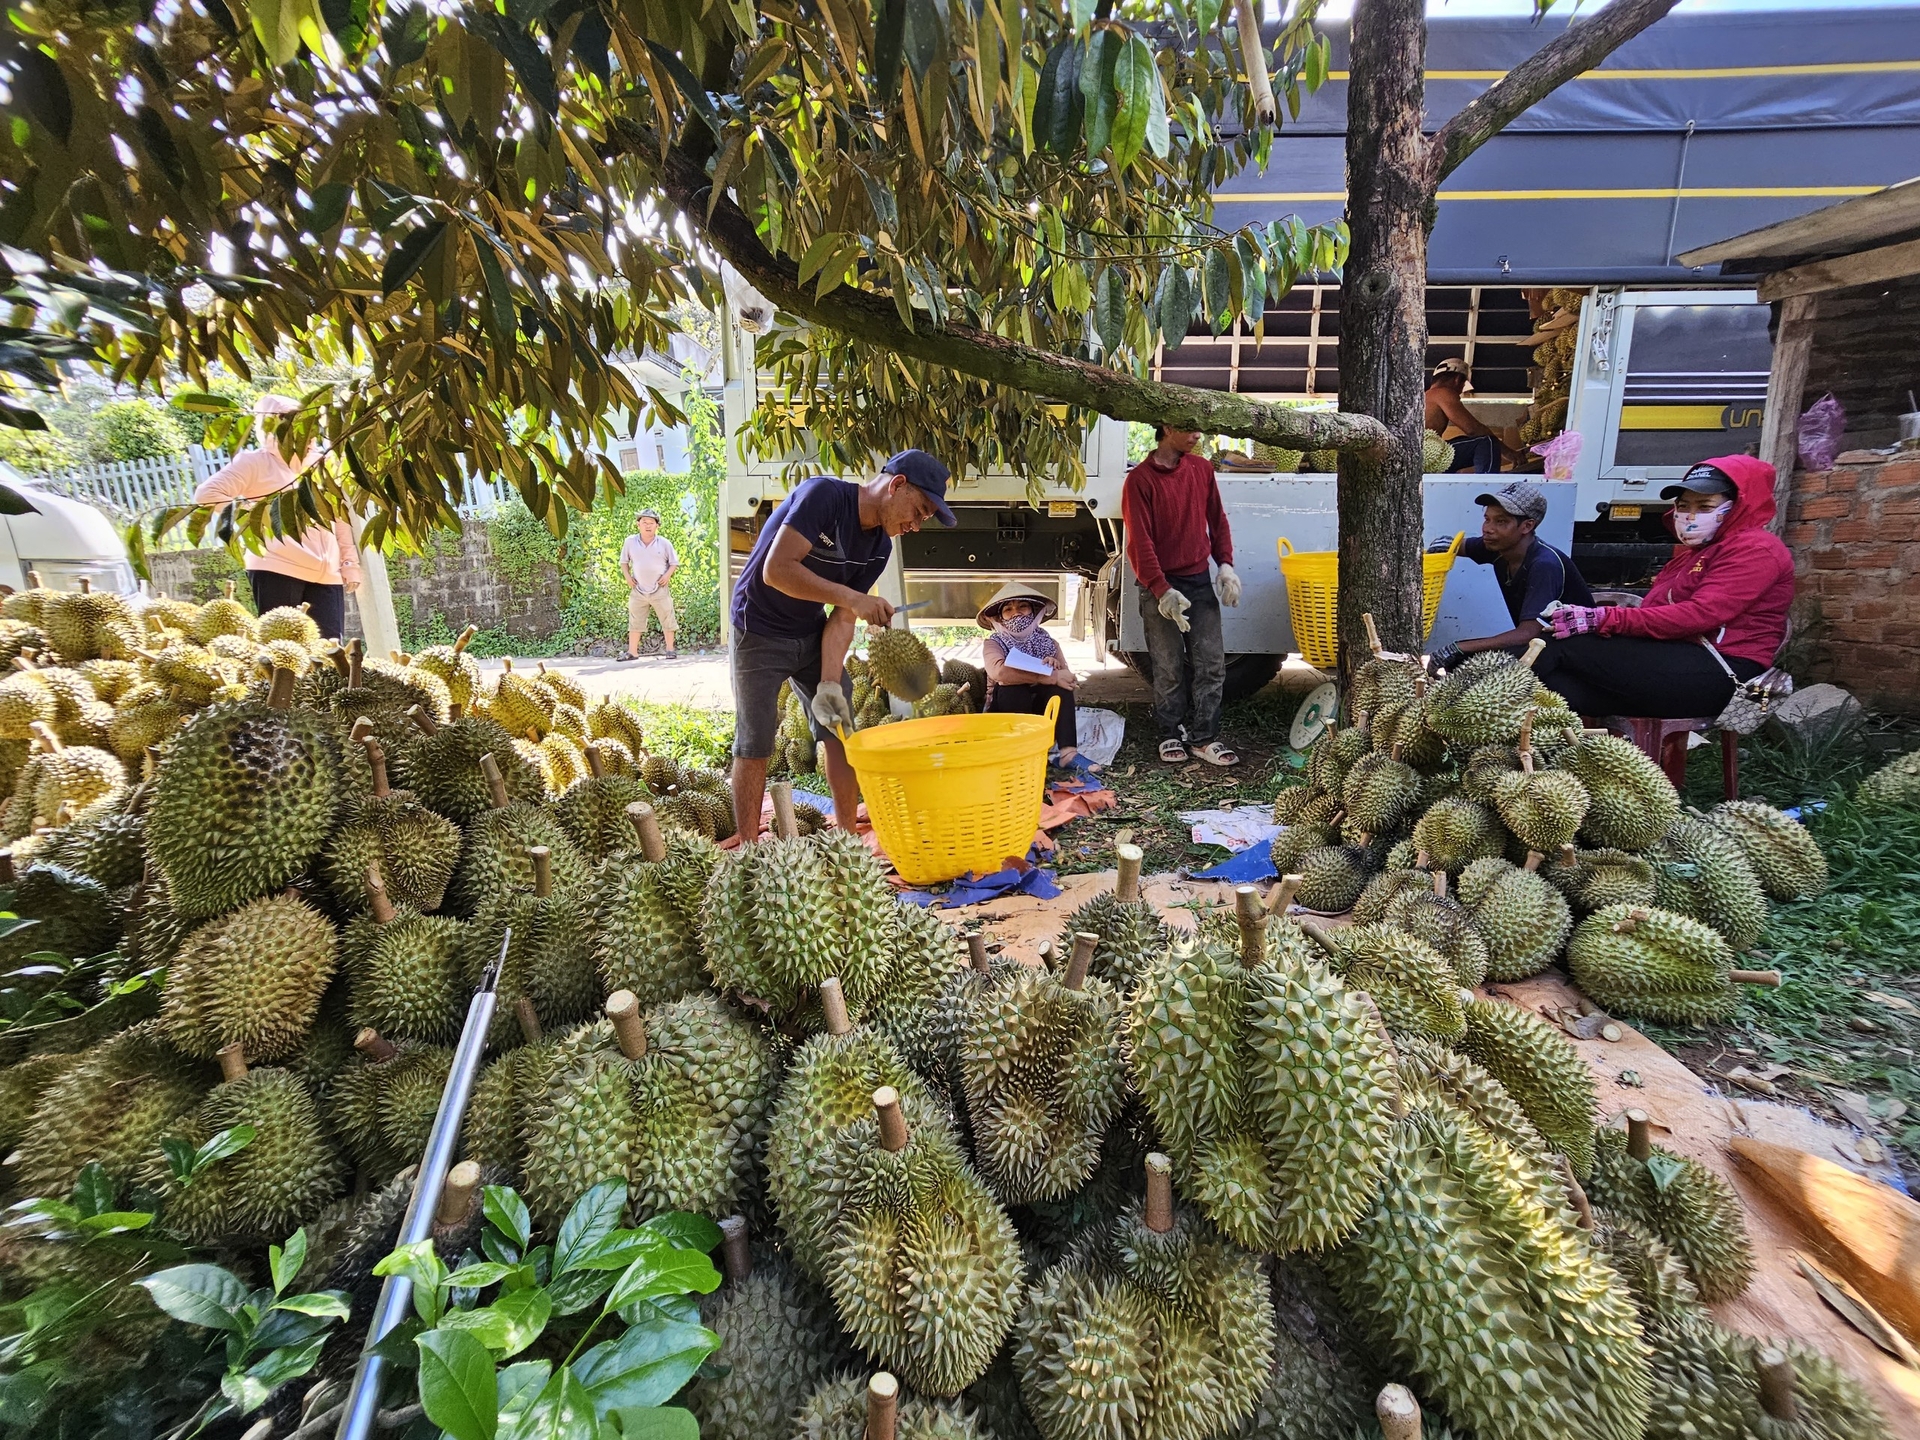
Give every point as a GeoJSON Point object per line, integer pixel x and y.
{"type": "Point", "coordinates": [646, 824]}
{"type": "Point", "coordinates": [1786, 387]}
{"type": "Point", "coordinates": [786, 823]}
{"type": "Point", "coordinates": [623, 1009]}
{"type": "Point", "coordinates": [1775, 1373]}
{"type": "Point", "coordinates": [977, 951]}
{"type": "Point", "coordinates": [883, 1407]}
{"type": "Point", "coordinates": [1280, 899]}
{"type": "Point", "coordinates": [457, 1194]}
{"type": "Point", "coordinates": [1159, 1193]}
{"type": "Point", "coordinates": [1399, 1413]}
{"type": "Point", "coordinates": [496, 785]}
{"type": "Point", "coordinates": [893, 1125]}
{"type": "Point", "coordinates": [1127, 886]}
{"type": "Point", "coordinates": [1082, 957]}
{"type": "Point", "coordinates": [1639, 1136]}
{"type": "Point", "coordinates": [1252, 917]}
{"type": "Point", "coordinates": [736, 1252]}
{"type": "Point", "coordinates": [233, 1061]}
{"type": "Point", "coordinates": [833, 1004]}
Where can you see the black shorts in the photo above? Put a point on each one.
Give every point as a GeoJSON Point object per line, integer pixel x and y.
{"type": "Point", "coordinates": [760, 663]}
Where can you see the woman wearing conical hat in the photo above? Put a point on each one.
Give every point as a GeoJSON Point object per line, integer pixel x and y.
{"type": "Point", "coordinates": [1025, 666]}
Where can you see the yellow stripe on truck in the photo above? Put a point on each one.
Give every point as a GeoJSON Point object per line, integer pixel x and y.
{"type": "Point", "coordinates": [1743, 416]}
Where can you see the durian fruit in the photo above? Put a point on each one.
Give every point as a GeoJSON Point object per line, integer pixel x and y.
{"type": "Point", "coordinates": [1414, 988]}
{"type": "Point", "coordinates": [25, 701]}
{"type": "Point", "coordinates": [1288, 804]}
{"type": "Point", "coordinates": [1541, 1070]}
{"type": "Point", "coordinates": [1894, 786]}
{"type": "Point", "coordinates": [151, 719]}
{"type": "Point", "coordinates": [876, 1409]}
{"type": "Point", "coordinates": [1332, 877]}
{"type": "Point", "coordinates": [442, 766]}
{"type": "Point", "coordinates": [1298, 840]}
{"type": "Point", "coordinates": [562, 762]}
{"type": "Point", "coordinates": [56, 775]}
{"type": "Point", "coordinates": [1131, 933]}
{"type": "Point", "coordinates": [1382, 681]}
{"type": "Point", "coordinates": [924, 1266]}
{"type": "Point", "coordinates": [1455, 832]}
{"type": "Point", "coordinates": [1379, 790]}
{"type": "Point", "coordinates": [521, 702]}
{"type": "Point", "coordinates": [566, 690]}
{"type": "Point", "coordinates": [1632, 801]}
{"type": "Point", "coordinates": [86, 624]}
{"type": "Point", "coordinates": [1479, 1282]}
{"type": "Point", "coordinates": [1523, 919]}
{"type": "Point", "coordinates": [1700, 871]}
{"type": "Point", "coordinates": [73, 914]}
{"type": "Point", "coordinates": [608, 719]}
{"type": "Point", "coordinates": [661, 772]}
{"type": "Point", "coordinates": [454, 668]}
{"type": "Point", "coordinates": [282, 1177]}
{"type": "Point", "coordinates": [1594, 879]}
{"type": "Point", "coordinates": [21, 1086]}
{"type": "Point", "coordinates": [1483, 701]}
{"type": "Point", "coordinates": [1691, 1209]}
{"type": "Point", "coordinates": [1543, 808]}
{"type": "Point", "coordinates": [1152, 1329]}
{"type": "Point", "coordinates": [1403, 723]}
{"type": "Point", "coordinates": [497, 845]}
{"type": "Point", "coordinates": [646, 911]}
{"type": "Point", "coordinates": [243, 800]}
{"type": "Point", "coordinates": [405, 970]}
{"type": "Point", "coordinates": [254, 977]}
{"type": "Point", "coordinates": [1783, 855]}
{"type": "Point", "coordinates": [1270, 1086]}
{"type": "Point", "coordinates": [288, 623]}
{"type": "Point", "coordinates": [902, 664]}
{"type": "Point", "coordinates": [1322, 1385]}
{"type": "Point", "coordinates": [380, 1107]}
{"type": "Point", "coordinates": [970, 678]}
{"type": "Point", "coordinates": [1659, 965]}
{"type": "Point", "coordinates": [400, 685]}
{"type": "Point", "coordinates": [414, 848]}
{"type": "Point", "coordinates": [222, 615]}
{"type": "Point", "coordinates": [1039, 1059]}
{"type": "Point", "coordinates": [1442, 923]}
{"type": "Point", "coordinates": [545, 933]}
{"type": "Point", "coordinates": [594, 811]}
{"type": "Point", "coordinates": [505, 1094]}
{"type": "Point", "coordinates": [1333, 754]}
{"type": "Point", "coordinates": [927, 964]}
{"type": "Point", "coordinates": [1385, 887]}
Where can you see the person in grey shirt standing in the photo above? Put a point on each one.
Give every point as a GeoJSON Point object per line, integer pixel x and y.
{"type": "Point", "coordinates": [647, 562]}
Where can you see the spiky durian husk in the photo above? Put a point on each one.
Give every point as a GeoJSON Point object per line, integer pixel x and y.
{"type": "Point", "coordinates": [1542, 809]}
{"type": "Point", "coordinates": [1385, 887]}
{"type": "Point", "coordinates": [1482, 701]}
{"type": "Point", "coordinates": [1414, 987]}
{"type": "Point", "coordinates": [21, 1086]}
{"type": "Point", "coordinates": [493, 857]}
{"type": "Point", "coordinates": [1380, 683]}
{"type": "Point", "coordinates": [1322, 1384]}
{"type": "Point", "coordinates": [1455, 831]}
{"type": "Point", "coordinates": [109, 847]}
{"type": "Point", "coordinates": [1524, 920]}
{"type": "Point", "coordinates": [1894, 786]}
{"type": "Point", "coordinates": [1653, 963]}
{"type": "Point", "coordinates": [594, 813]}
{"type": "Point", "coordinates": [1288, 804]}
{"type": "Point", "coordinates": [579, 1130]}
{"type": "Point", "coordinates": [288, 1171]}
{"type": "Point", "coordinates": [549, 958]}
{"type": "Point", "coordinates": [902, 663]}
{"type": "Point", "coordinates": [1270, 1088]}
{"type": "Point", "coordinates": [927, 958]}
{"type": "Point", "coordinates": [1633, 802]}
{"type": "Point", "coordinates": [1146, 1336]}
{"type": "Point", "coordinates": [1599, 878]}
{"type": "Point", "coordinates": [443, 768]}
{"type": "Point", "coordinates": [1488, 1293]}
{"type": "Point", "coordinates": [112, 1104]}
{"type": "Point", "coordinates": [1131, 932]}
{"type": "Point", "coordinates": [1333, 754]}
{"type": "Point", "coordinates": [1332, 877]}
{"type": "Point", "coordinates": [1689, 1207]}
{"type": "Point", "coordinates": [1433, 1074]}
{"type": "Point", "coordinates": [74, 914]}
{"type": "Point", "coordinates": [407, 977]}
{"type": "Point", "coordinates": [255, 977]}
{"type": "Point", "coordinates": [1783, 855]}
{"type": "Point", "coordinates": [780, 1340]}
{"type": "Point", "coordinates": [1379, 791]}
{"type": "Point", "coordinates": [643, 940]}
{"type": "Point", "coordinates": [1442, 924]}
{"type": "Point", "coordinates": [503, 1100]}
{"type": "Point", "coordinates": [838, 1411]}
{"type": "Point", "coordinates": [1404, 723]}
{"type": "Point", "coordinates": [415, 848]}
{"type": "Point", "coordinates": [1700, 871]}
{"type": "Point", "coordinates": [1541, 1070]}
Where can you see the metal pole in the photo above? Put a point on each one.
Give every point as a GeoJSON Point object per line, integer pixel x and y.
{"type": "Point", "coordinates": [363, 1398]}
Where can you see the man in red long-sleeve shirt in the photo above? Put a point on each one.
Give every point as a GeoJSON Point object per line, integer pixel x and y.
{"type": "Point", "coordinates": [1175, 525]}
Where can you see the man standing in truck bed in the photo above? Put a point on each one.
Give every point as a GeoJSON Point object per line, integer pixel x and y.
{"type": "Point", "coordinates": [1175, 526]}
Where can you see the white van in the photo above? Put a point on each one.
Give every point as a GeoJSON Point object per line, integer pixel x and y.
{"type": "Point", "coordinates": [62, 541]}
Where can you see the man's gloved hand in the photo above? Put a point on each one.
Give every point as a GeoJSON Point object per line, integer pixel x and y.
{"type": "Point", "coordinates": [1571, 620]}
{"type": "Point", "coordinates": [1227, 586]}
{"type": "Point", "coordinates": [830, 706]}
{"type": "Point", "coordinates": [1174, 606]}
{"type": "Point", "coordinates": [1450, 658]}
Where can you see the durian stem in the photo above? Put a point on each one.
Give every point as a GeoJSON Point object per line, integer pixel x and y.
{"type": "Point", "coordinates": [1769, 978]}
{"type": "Point", "coordinates": [375, 1046]}
{"type": "Point", "coordinates": [1526, 741]}
{"type": "Point", "coordinates": [1252, 918]}
{"type": "Point", "coordinates": [833, 1005]}
{"type": "Point", "coordinates": [399, 657]}
{"type": "Point", "coordinates": [33, 580]}
{"type": "Point", "coordinates": [456, 710]}
{"type": "Point", "coordinates": [542, 859]}
{"type": "Point", "coordinates": [1775, 1372]}
{"type": "Point", "coordinates": [1398, 1412]}
{"type": "Point", "coordinates": [6, 867]}
{"type": "Point", "coordinates": [229, 589]}
{"type": "Point", "coordinates": [1127, 886]}
{"type": "Point", "coordinates": [893, 1125]}
{"type": "Point", "coordinates": [883, 1407]}
{"type": "Point", "coordinates": [377, 899]}
{"type": "Point", "coordinates": [496, 786]}
{"type": "Point", "coordinates": [1639, 1136]}
{"type": "Point", "coordinates": [280, 691]}
{"type": "Point", "coordinates": [506, 663]}
{"type": "Point", "coordinates": [646, 825]}
{"type": "Point", "coordinates": [86, 586]}
{"type": "Point", "coordinates": [1533, 653]}
{"type": "Point", "coordinates": [1394, 753]}
{"type": "Point", "coordinates": [1534, 860]}
{"type": "Point", "coordinates": [233, 1061]}
{"type": "Point", "coordinates": [1422, 860]}
{"type": "Point", "coordinates": [1568, 855]}
{"type": "Point", "coordinates": [1159, 1193]}
{"type": "Point", "coordinates": [423, 722]}
{"type": "Point", "coordinates": [1317, 933]}
{"type": "Point", "coordinates": [786, 823]}
{"type": "Point", "coordinates": [1582, 1207]}
{"type": "Point", "coordinates": [377, 762]}
{"type": "Point", "coordinates": [1280, 898]}
{"type": "Point", "coordinates": [977, 951]}
{"type": "Point", "coordinates": [1440, 883]}
{"type": "Point", "coordinates": [595, 763]}
{"type": "Point", "coordinates": [529, 1019]}
{"type": "Point", "coordinates": [1373, 633]}
{"type": "Point", "coordinates": [465, 638]}
{"type": "Point", "coordinates": [457, 1195]}
{"type": "Point", "coordinates": [736, 1251]}
{"type": "Point", "coordinates": [623, 1009]}
{"type": "Point", "coordinates": [1632, 919]}
{"type": "Point", "coordinates": [356, 662]}
{"type": "Point", "coordinates": [44, 740]}
{"type": "Point", "coordinates": [1082, 957]}
{"type": "Point", "coordinates": [362, 728]}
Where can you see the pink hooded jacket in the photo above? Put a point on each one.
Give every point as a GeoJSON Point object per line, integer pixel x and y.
{"type": "Point", "coordinates": [1734, 590]}
{"type": "Point", "coordinates": [321, 555]}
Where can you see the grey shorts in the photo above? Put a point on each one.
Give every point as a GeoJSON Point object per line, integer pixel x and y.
{"type": "Point", "coordinates": [760, 664]}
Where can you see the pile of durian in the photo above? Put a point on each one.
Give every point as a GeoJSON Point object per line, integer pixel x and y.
{"type": "Point", "coordinates": [897, 665]}
{"type": "Point", "coordinates": [1170, 1184]}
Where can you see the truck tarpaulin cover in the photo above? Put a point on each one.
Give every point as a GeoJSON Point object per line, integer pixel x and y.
{"type": "Point", "coordinates": [1705, 126]}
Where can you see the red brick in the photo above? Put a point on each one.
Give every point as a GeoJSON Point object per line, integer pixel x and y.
{"type": "Point", "coordinates": [1908, 504]}
{"type": "Point", "coordinates": [1826, 507]}
{"type": "Point", "coordinates": [1808, 482]}
{"type": "Point", "coordinates": [1905, 634]}
{"type": "Point", "coordinates": [1854, 531]}
{"type": "Point", "coordinates": [1832, 559]}
{"type": "Point", "coordinates": [1843, 481]}
{"type": "Point", "coordinates": [1898, 472]}
{"type": "Point", "coordinates": [1802, 534]}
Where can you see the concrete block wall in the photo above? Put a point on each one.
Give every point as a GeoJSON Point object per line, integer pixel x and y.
{"type": "Point", "coordinates": [1855, 535]}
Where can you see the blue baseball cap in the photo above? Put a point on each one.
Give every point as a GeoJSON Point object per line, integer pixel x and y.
{"type": "Point", "coordinates": [926, 474]}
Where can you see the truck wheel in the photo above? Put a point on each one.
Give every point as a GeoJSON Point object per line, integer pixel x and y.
{"type": "Point", "coordinates": [1246, 674]}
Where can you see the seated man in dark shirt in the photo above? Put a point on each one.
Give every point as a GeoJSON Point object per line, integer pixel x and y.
{"type": "Point", "coordinates": [1532, 573]}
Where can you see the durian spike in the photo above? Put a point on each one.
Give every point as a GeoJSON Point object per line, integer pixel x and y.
{"type": "Point", "coordinates": [233, 1061]}
{"type": "Point", "coordinates": [1631, 921]}
{"type": "Point", "coordinates": [1639, 1136]}
{"type": "Point", "coordinates": [1280, 898]}
{"type": "Point", "coordinates": [496, 785]}
{"type": "Point", "coordinates": [1373, 633]}
{"type": "Point", "coordinates": [86, 586]}
{"type": "Point", "coordinates": [1526, 739]}
{"type": "Point", "coordinates": [893, 1125]}
{"type": "Point", "coordinates": [1159, 1193]}
{"type": "Point", "coordinates": [1774, 1370]}
{"type": "Point", "coordinates": [529, 1019]}
{"type": "Point", "coordinates": [596, 764]}
{"type": "Point", "coordinates": [1582, 1207]}
{"type": "Point", "coordinates": [833, 1005]}
{"type": "Point", "coordinates": [1440, 883]}
{"type": "Point", "coordinates": [6, 867]}
{"type": "Point", "coordinates": [377, 762]}
{"type": "Point", "coordinates": [44, 740]}
{"type": "Point", "coordinates": [1386, 1038]}
{"type": "Point", "coordinates": [736, 1251]}
{"type": "Point", "coordinates": [1131, 857]}
{"type": "Point", "coordinates": [623, 1009]}
{"type": "Point", "coordinates": [977, 951]}
{"type": "Point", "coordinates": [786, 823]}
{"type": "Point", "coordinates": [375, 1046]}
{"type": "Point", "coordinates": [422, 721]}
{"type": "Point", "coordinates": [280, 691]}
{"type": "Point", "coordinates": [377, 900]}
{"type": "Point", "coordinates": [457, 1194]}
{"type": "Point", "coordinates": [1534, 648]}
{"type": "Point", "coordinates": [1082, 957]}
{"type": "Point", "coordinates": [1768, 978]}
{"type": "Point", "coordinates": [1253, 924]}
{"type": "Point", "coordinates": [542, 860]}
{"type": "Point", "coordinates": [1534, 859]}
{"type": "Point", "coordinates": [646, 825]}
{"type": "Point", "coordinates": [883, 1407]}
{"type": "Point", "coordinates": [465, 638]}
{"type": "Point", "coordinates": [1398, 1412]}
{"type": "Point", "coordinates": [356, 662]}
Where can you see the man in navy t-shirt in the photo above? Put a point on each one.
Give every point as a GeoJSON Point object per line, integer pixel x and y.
{"type": "Point", "coordinates": [1532, 573]}
{"type": "Point", "coordinates": [824, 545]}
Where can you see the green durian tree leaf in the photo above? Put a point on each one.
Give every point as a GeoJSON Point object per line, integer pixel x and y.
{"type": "Point", "coordinates": [657, 1422]}
{"type": "Point", "coordinates": [1665, 1169]}
{"type": "Point", "coordinates": [526, 1313]}
{"type": "Point", "coordinates": [457, 1388]}
{"type": "Point", "coordinates": [686, 1231]}
{"type": "Point", "coordinates": [592, 1219]}
{"type": "Point", "coordinates": [508, 1214]}
{"type": "Point", "coordinates": [667, 1272]}
{"type": "Point", "coordinates": [284, 1264]}
{"type": "Point", "coordinates": [198, 1294]}
{"type": "Point", "coordinates": [561, 1411]}
{"type": "Point", "coordinates": [92, 1190]}
{"type": "Point", "coordinates": [645, 1366]}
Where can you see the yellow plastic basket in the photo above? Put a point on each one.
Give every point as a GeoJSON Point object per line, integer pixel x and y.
{"type": "Point", "coordinates": [1313, 588]}
{"type": "Point", "coordinates": [954, 793]}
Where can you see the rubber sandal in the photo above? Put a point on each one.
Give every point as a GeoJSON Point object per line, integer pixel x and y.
{"type": "Point", "coordinates": [1214, 753]}
{"type": "Point", "coordinates": [1173, 752]}
{"type": "Point", "coordinates": [1079, 765]}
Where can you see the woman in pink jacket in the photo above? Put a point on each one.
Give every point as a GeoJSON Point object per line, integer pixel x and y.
{"type": "Point", "coordinates": [319, 567]}
{"type": "Point", "coordinates": [1715, 617]}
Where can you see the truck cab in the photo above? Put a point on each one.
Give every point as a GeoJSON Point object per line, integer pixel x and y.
{"type": "Point", "coordinates": [62, 541]}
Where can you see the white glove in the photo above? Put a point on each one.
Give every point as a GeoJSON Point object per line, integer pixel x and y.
{"type": "Point", "coordinates": [830, 706]}
{"type": "Point", "coordinates": [1174, 606]}
{"type": "Point", "coordinates": [1227, 586]}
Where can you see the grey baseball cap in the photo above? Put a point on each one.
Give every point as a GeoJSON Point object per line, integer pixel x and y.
{"type": "Point", "coordinates": [1703, 479]}
{"type": "Point", "coordinates": [648, 514]}
{"type": "Point", "coordinates": [1520, 500]}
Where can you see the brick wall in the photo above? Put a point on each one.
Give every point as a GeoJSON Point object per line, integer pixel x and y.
{"type": "Point", "coordinates": [1855, 535]}
{"type": "Point", "coordinates": [1863, 352]}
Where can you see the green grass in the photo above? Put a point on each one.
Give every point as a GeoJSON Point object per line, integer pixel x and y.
{"type": "Point", "coordinates": [690, 735]}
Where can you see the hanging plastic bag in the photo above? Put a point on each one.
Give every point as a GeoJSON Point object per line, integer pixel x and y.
{"type": "Point", "coordinates": [1820, 431]}
{"type": "Point", "coordinates": [1561, 453]}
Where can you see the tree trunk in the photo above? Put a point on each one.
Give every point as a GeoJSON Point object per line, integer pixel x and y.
{"type": "Point", "coordinates": [1383, 326]}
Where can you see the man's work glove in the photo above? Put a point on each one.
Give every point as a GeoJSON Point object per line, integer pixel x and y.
{"type": "Point", "coordinates": [830, 706]}
{"type": "Point", "coordinates": [1227, 586]}
{"type": "Point", "coordinates": [1571, 620]}
{"type": "Point", "coordinates": [1449, 658]}
{"type": "Point", "coordinates": [1174, 606]}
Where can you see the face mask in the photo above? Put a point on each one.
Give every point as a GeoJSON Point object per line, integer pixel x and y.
{"type": "Point", "coordinates": [1701, 526]}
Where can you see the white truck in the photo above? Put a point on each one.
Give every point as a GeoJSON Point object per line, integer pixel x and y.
{"type": "Point", "coordinates": [62, 541]}
{"type": "Point", "coordinates": [1664, 378]}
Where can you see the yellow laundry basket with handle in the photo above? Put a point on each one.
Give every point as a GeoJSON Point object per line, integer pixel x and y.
{"type": "Point", "coordinates": [953, 793]}
{"type": "Point", "coordinates": [1313, 589]}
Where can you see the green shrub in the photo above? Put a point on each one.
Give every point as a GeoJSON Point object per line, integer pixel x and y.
{"type": "Point", "coordinates": [135, 430]}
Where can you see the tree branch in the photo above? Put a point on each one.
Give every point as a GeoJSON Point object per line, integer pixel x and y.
{"type": "Point", "coordinates": [1583, 44]}
{"type": "Point", "coordinates": [872, 318]}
